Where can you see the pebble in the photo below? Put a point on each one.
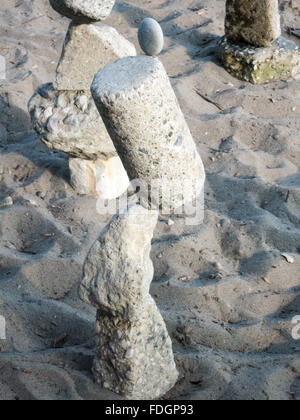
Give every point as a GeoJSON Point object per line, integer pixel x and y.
{"type": "Point", "coordinates": [82, 102]}
{"type": "Point", "coordinates": [151, 37]}
{"type": "Point", "coordinates": [41, 194]}
{"type": "Point", "coordinates": [6, 202]}
{"type": "Point", "coordinates": [289, 258]}
{"type": "Point", "coordinates": [184, 279]}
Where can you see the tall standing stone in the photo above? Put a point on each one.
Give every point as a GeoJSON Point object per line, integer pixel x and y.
{"type": "Point", "coordinates": [140, 110]}
{"type": "Point", "coordinates": [254, 22]}
{"type": "Point", "coordinates": [134, 353]}
{"type": "Point", "coordinates": [253, 49]}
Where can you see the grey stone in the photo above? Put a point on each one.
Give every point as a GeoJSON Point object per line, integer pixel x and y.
{"type": "Point", "coordinates": [104, 178]}
{"type": "Point", "coordinates": [69, 122]}
{"type": "Point", "coordinates": [151, 37]}
{"type": "Point", "coordinates": [6, 202]}
{"type": "Point", "coordinates": [138, 105]}
{"type": "Point", "coordinates": [134, 353]}
{"type": "Point", "coordinates": [255, 22]}
{"type": "Point", "coordinates": [84, 11]}
{"type": "Point", "coordinates": [87, 49]}
{"type": "Point", "coordinates": [261, 65]}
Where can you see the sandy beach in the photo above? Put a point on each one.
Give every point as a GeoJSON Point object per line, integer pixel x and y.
{"type": "Point", "coordinates": [226, 289]}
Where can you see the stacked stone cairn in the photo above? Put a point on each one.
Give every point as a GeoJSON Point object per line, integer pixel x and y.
{"type": "Point", "coordinates": [134, 96]}
{"type": "Point", "coordinates": [64, 114]}
{"type": "Point", "coordinates": [253, 48]}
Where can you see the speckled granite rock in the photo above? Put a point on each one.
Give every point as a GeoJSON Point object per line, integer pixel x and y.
{"type": "Point", "coordinates": [255, 22]}
{"type": "Point", "coordinates": [105, 178]}
{"type": "Point", "coordinates": [261, 65]}
{"type": "Point", "coordinates": [84, 11]}
{"type": "Point", "coordinates": [134, 353]}
{"type": "Point", "coordinates": [69, 121]}
{"type": "Point", "coordinates": [138, 105]}
{"type": "Point", "coordinates": [87, 49]}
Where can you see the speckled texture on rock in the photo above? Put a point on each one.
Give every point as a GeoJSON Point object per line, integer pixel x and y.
{"type": "Point", "coordinates": [84, 11]}
{"type": "Point", "coordinates": [138, 105]}
{"type": "Point", "coordinates": [134, 353]}
{"type": "Point", "coordinates": [254, 22]}
{"type": "Point", "coordinates": [140, 351]}
{"type": "Point", "coordinates": [118, 270]}
{"type": "Point", "coordinates": [151, 37]}
{"type": "Point", "coordinates": [261, 65]}
{"type": "Point", "coordinates": [87, 49]}
{"type": "Point", "coordinates": [104, 178]}
{"type": "Point", "coordinates": [69, 121]}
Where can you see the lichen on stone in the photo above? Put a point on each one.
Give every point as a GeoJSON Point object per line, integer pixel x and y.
{"type": "Point", "coordinates": [260, 65]}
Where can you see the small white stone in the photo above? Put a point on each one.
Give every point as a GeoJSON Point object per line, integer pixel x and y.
{"type": "Point", "coordinates": [62, 101]}
{"type": "Point", "coordinates": [6, 202]}
{"type": "Point", "coordinates": [52, 125]}
{"type": "Point", "coordinates": [290, 259]}
{"type": "Point", "coordinates": [129, 354]}
{"type": "Point", "coordinates": [82, 102]}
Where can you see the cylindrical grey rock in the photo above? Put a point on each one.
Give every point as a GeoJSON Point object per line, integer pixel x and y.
{"type": "Point", "coordinates": [151, 37]}
{"type": "Point", "coordinates": [140, 110]}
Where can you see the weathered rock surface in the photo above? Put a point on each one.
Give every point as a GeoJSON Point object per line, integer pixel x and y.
{"type": "Point", "coordinates": [138, 105]}
{"type": "Point", "coordinates": [118, 270]}
{"type": "Point", "coordinates": [69, 121]}
{"type": "Point", "coordinates": [261, 65]}
{"type": "Point", "coordinates": [104, 178]}
{"type": "Point", "coordinates": [140, 352]}
{"type": "Point", "coordinates": [151, 37]}
{"type": "Point", "coordinates": [134, 354]}
{"type": "Point", "coordinates": [84, 11]}
{"type": "Point", "coordinates": [255, 22]}
{"type": "Point", "coordinates": [87, 49]}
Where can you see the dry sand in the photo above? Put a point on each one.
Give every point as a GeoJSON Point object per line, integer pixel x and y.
{"type": "Point", "coordinates": [226, 293]}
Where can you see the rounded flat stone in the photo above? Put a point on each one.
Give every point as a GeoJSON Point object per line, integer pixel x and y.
{"type": "Point", "coordinates": [68, 121]}
{"type": "Point", "coordinates": [84, 11]}
{"type": "Point", "coordinates": [151, 37]}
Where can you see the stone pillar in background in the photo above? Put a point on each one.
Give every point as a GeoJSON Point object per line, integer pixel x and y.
{"type": "Point", "coordinates": [134, 353]}
{"type": "Point", "coordinates": [255, 22]}
{"type": "Point", "coordinates": [64, 114]}
{"type": "Point", "coordinates": [253, 49]}
{"type": "Point", "coordinates": [140, 110]}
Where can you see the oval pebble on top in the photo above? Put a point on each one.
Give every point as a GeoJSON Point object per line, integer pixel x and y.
{"type": "Point", "coordinates": [151, 37]}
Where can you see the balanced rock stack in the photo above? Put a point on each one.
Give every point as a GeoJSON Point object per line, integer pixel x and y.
{"type": "Point", "coordinates": [253, 49]}
{"type": "Point", "coordinates": [138, 105]}
{"type": "Point", "coordinates": [64, 114]}
{"type": "Point", "coordinates": [134, 354]}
